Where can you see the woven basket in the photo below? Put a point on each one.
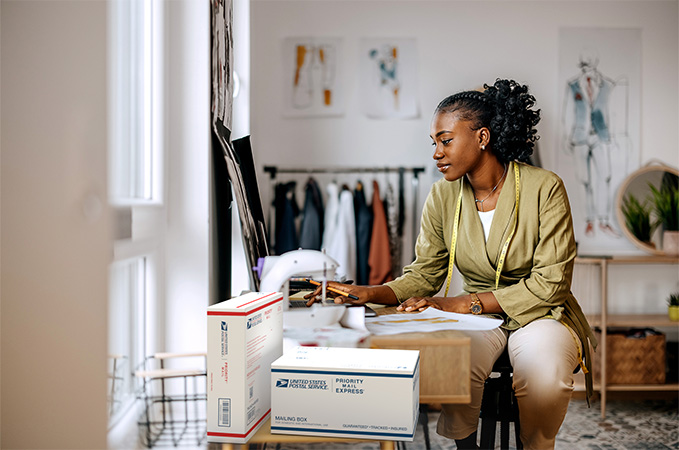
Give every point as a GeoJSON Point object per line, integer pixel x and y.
{"type": "Point", "coordinates": [632, 360]}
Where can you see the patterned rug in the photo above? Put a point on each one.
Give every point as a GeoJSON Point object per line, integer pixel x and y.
{"type": "Point", "coordinates": [629, 425]}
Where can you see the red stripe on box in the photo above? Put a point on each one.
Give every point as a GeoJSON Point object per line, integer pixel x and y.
{"type": "Point", "coordinates": [257, 299]}
{"type": "Point", "coordinates": [242, 313]}
{"type": "Point", "coordinates": [212, 433]}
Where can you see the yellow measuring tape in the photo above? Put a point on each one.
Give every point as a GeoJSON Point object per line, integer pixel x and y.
{"type": "Point", "coordinates": [505, 247]}
{"type": "Point", "coordinates": [581, 362]}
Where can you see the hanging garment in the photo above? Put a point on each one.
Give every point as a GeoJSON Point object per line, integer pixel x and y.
{"type": "Point", "coordinates": [364, 218]}
{"type": "Point", "coordinates": [330, 216]}
{"type": "Point", "coordinates": [341, 244]}
{"type": "Point", "coordinates": [287, 210]}
{"type": "Point", "coordinates": [379, 257]}
{"type": "Point", "coordinates": [395, 242]}
{"type": "Point", "coordinates": [311, 231]}
{"type": "Point", "coordinates": [401, 201]}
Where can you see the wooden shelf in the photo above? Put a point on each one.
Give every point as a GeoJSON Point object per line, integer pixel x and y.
{"type": "Point", "coordinates": [631, 259]}
{"type": "Point", "coordinates": [643, 387]}
{"type": "Point", "coordinates": [606, 321]}
{"type": "Point", "coordinates": [633, 320]}
{"type": "Point", "coordinates": [579, 385]}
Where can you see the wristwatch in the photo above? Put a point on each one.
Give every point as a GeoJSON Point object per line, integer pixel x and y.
{"type": "Point", "coordinates": [475, 307]}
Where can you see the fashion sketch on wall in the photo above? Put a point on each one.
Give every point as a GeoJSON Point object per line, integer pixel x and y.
{"type": "Point", "coordinates": [312, 83]}
{"type": "Point", "coordinates": [599, 132]}
{"type": "Point", "coordinates": [222, 61]}
{"type": "Point", "coordinates": [388, 71]}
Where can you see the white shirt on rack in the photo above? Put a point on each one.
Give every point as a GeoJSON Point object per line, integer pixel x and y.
{"type": "Point", "coordinates": [330, 219]}
{"type": "Point", "coordinates": [340, 241]}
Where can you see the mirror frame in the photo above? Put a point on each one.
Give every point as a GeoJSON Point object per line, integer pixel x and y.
{"type": "Point", "coordinates": [618, 204]}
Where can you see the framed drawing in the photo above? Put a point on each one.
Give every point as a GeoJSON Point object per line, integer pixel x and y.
{"type": "Point", "coordinates": [388, 78]}
{"type": "Point", "coordinates": [598, 133]}
{"type": "Point", "coordinates": [312, 82]}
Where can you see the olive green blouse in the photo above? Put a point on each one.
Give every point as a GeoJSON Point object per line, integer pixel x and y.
{"type": "Point", "coordinates": [536, 276]}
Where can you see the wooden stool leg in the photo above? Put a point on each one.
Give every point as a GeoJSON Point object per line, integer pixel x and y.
{"type": "Point", "coordinates": [232, 446]}
{"type": "Point", "coordinates": [488, 427]}
{"type": "Point", "coordinates": [424, 420]}
{"type": "Point", "coordinates": [387, 445]}
{"type": "Point", "coordinates": [504, 434]}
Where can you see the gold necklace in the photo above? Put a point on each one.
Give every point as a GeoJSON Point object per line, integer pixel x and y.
{"type": "Point", "coordinates": [491, 192]}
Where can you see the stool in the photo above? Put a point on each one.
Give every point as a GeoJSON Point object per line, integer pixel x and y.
{"type": "Point", "coordinates": [499, 405]}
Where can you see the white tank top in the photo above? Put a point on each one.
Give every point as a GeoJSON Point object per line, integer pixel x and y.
{"type": "Point", "coordinates": [486, 219]}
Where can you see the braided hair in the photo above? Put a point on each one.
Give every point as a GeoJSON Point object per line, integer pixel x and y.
{"type": "Point", "coordinates": [505, 109]}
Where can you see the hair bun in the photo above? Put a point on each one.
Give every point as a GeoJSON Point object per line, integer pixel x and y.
{"type": "Point", "coordinates": [514, 119]}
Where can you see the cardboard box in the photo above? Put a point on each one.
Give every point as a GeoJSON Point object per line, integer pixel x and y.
{"type": "Point", "coordinates": [245, 335]}
{"type": "Point", "coordinates": [346, 392]}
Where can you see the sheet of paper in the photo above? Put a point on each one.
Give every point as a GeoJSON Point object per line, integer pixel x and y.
{"type": "Point", "coordinates": [324, 337]}
{"type": "Point", "coordinates": [430, 319]}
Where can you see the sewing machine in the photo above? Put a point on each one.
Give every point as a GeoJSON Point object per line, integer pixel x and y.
{"type": "Point", "coordinates": [275, 273]}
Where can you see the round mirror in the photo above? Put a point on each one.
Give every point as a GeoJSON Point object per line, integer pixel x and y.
{"type": "Point", "coordinates": [637, 208]}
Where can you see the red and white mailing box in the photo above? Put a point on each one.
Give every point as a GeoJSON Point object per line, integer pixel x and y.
{"type": "Point", "coordinates": [245, 335]}
{"type": "Point", "coordinates": [346, 392]}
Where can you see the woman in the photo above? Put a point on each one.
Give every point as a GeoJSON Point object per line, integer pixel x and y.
{"type": "Point", "coordinates": [516, 266]}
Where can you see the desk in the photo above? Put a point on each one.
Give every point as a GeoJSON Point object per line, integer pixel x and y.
{"type": "Point", "coordinates": [444, 376]}
{"type": "Point", "coordinates": [444, 361]}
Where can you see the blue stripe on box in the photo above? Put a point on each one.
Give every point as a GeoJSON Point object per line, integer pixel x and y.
{"type": "Point", "coordinates": [347, 432]}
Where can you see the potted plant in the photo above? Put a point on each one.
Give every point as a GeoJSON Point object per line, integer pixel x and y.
{"type": "Point", "coordinates": [638, 219]}
{"type": "Point", "coordinates": [673, 306]}
{"type": "Point", "coordinates": [666, 208]}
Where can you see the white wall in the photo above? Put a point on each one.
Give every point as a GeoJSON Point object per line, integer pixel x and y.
{"type": "Point", "coordinates": [188, 144]}
{"type": "Point", "coordinates": [55, 242]}
{"type": "Point", "coordinates": [461, 44]}
{"type": "Point", "coordinates": [240, 277]}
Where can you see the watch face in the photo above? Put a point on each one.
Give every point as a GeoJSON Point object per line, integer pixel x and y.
{"type": "Point", "coordinates": [476, 309]}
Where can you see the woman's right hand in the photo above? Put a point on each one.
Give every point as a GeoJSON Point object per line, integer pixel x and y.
{"type": "Point", "coordinates": [362, 292]}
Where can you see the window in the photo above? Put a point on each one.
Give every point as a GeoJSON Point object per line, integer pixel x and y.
{"type": "Point", "coordinates": [127, 331]}
{"type": "Point", "coordinates": [136, 139]}
{"type": "Point", "coordinates": [135, 191]}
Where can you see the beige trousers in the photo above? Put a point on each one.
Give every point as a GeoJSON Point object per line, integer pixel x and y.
{"type": "Point", "coordinates": [543, 354]}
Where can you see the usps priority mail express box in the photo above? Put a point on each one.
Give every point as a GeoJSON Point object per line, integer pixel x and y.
{"type": "Point", "coordinates": [245, 335]}
{"type": "Point", "coordinates": [346, 392]}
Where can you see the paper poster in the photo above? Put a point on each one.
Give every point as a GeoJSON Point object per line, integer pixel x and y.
{"type": "Point", "coordinates": [312, 84]}
{"type": "Point", "coordinates": [388, 78]}
{"type": "Point", "coordinates": [599, 132]}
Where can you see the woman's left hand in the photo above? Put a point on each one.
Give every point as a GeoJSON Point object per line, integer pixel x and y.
{"type": "Point", "coordinates": [414, 304]}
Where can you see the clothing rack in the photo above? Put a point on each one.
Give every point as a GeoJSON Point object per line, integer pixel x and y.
{"type": "Point", "coordinates": [273, 171]}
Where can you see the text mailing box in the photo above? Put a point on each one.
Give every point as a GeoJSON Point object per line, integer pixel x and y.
{"type": "Point", "coordinates": [346, 392]}
{"type": "Point", "coordinates": [245, 335]}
